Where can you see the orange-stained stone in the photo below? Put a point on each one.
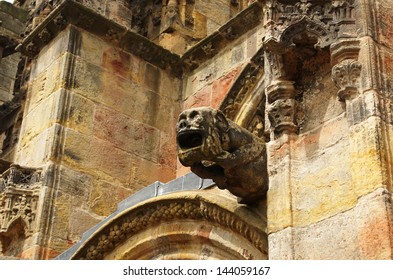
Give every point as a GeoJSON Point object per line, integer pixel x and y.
{"type": "Point", "coordinates": [199, 99]}
{"type": "Point", "coordinates": [222, 86]}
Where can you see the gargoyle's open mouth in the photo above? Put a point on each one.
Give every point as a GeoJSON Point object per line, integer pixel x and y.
{"type": "Point", "coordinates": [189, 139]}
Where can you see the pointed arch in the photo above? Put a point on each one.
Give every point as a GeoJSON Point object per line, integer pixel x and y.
{"type": "Point", "coordinates": [311, 27]}
{"type": "Point", "coordinates": [245, 101]}
{"type": "Point", "coordinates": [12, 241]}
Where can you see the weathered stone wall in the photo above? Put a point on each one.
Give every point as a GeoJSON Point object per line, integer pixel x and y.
{"type": "Point", "coordinates": [217, 13]}
{"type": "Point", "coordinates": [101, 120]}
{"type": "Point", "coordinates": [12, 24]}
{"type": "Point", "coordinates": [339, 159]}
{"type": "Point", "coordinates": [8, 68]}
{"type": "Point", "coordinates": [337, 199]}
{"type": "Point", "coordinates": [104, 118]}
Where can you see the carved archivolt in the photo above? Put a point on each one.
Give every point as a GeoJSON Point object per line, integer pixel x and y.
{"type": "Point", "coordinates": [245, 101]}
{"type": "Point", "coordinates": [164, 210]}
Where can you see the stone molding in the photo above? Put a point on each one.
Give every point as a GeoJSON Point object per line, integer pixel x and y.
{"type": "Point", "coordinates": [244, 90]}
{"type": "Point", "coordinates": [233, 29]}
{"type": "Point", "coordinates": [19, 194]}
{"type": "Point", "coordinates": [72, 12]}
{"type": "Point", "coordinates": [166, 209]}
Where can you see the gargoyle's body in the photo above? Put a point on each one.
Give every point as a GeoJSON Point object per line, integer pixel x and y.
{"type": "Point", "coordinates": [219, 149]}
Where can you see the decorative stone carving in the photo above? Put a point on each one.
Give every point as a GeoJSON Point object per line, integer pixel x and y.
{"type": "Point", "coordinates": [229, 34]}
{"type": "Point", "coordinates": [282, 108]}
{"type": "Point", "coordinates": [285, 21]}
{"type": "Point", "coordinates": [172, 9]}
{"type": "Point", "coordinates": [45, 36]}
{"type": "Point", "coordinates": [113, 36]}
{"type": "Point", "coordinates": [60, 21]}
{"type": "Point", "coordinates": [217, 148]}
{"type": "Point", "coordinates": [166, 211]}
{"type": "Point", "coordinates": [32, 49]}
{"type": "Point", "coordinates": [19, 192]}
{"type": "Point", "coordinates": [342, 9]}
{"type": "Point", "coordinates": [282, 115]}
{"type": "Point", "coordinates": [208, 48]}
{"type": "Point", "coordinates": [243, 87]}
{"type": "Point", "coordinates": [346, 76]}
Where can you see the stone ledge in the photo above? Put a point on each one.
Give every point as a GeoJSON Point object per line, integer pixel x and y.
{"type": "Point", "coordinates": [71, 12]}
{"type": "Point", "coordinates": [230, 31]}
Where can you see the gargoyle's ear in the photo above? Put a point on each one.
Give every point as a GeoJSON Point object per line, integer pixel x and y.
{"type": "Point", "coordinates": [221, 121]}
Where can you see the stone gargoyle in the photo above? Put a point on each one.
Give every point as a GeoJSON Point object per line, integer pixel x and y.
{"type": "Point", "coordinates": [219, 149]}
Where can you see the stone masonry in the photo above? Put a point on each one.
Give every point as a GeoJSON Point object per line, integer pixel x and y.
{"type": "Point", "coordinates": [88, 108]}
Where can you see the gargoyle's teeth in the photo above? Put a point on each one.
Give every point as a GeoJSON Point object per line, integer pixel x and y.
{"type": "Point", "coordinates": [190, 139]}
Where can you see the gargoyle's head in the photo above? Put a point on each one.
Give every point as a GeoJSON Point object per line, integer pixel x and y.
{"type": "Point", "coordinates": [198, 129]}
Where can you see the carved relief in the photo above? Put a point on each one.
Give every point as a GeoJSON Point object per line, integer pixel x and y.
{"type": "Point", "coordinates": [282, 108]}
{"type": "Point", "coordinates": [60, 21]}
{"type": "Point", "coordinates": [140, 219]}
{"type": "Point", "coordinates": [217, 148]}
{"type": "Point", "coordinates": [284, 21]}
{"type": "Point", "coordinates": [172, 10]}
{"type": "Point", "coordinates": [342, 9]}
{"type": "Point", "coordinates": [346, 76]}
{"type": "Point", "coordinates": [282, 115]}
{"type": "Point", "coordinates": [45, 36]}
{"type": "Point", "coordinates": [243, 87]}
{"type": "Point", "coordinates": [32, 49]}
{"type": "Point", "coordinates": [316, 23]}
{"type": "Point", "coordinates": [19, 192]}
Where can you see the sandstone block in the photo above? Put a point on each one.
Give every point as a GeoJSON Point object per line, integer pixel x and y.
{"type": "Point", "coordinates": [363, 232]}
{"type": "Point", "coordinates": [199, 99]}
{"type": "Point", "coordinates": [105, 196]}
{"type": "Point", "coordinates": [80, 221]}
{"type": "Point", "coordinates": [80, 116]}
{"type": "Point", "coordinates": [47, 82]}
{"type": "Point", "coordinates": [152, 77]}
{"type": "Point", "coordinates": [117, 62]}
{"type": "Point", "coordinates": [93, 48]}
{"type": "Point", "coordinates": [222, 85]}
{"type": "Point", "coordinates": [118, 129]}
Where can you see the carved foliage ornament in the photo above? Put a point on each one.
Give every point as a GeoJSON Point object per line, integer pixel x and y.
{"type": "Point", "coordinates": [217, 148]}
{"type": "Point", "coordinates": [346, 76]}
{"type": "Point", "coordinates": [140, 219]}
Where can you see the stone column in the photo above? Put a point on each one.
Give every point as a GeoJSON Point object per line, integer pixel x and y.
{"type": "Point", "coordinates": [358, 73]}
{"type": "Point", "coordinates": [281, 110]}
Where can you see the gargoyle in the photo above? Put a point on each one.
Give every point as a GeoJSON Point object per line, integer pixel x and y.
{"type": "Point", "coordinates": [217, 148]}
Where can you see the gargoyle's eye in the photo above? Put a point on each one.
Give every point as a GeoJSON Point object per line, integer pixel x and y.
{"type": "Point", "coordinates": [182, 123]}
{"type": "Point", "coordinates": [193, 114]}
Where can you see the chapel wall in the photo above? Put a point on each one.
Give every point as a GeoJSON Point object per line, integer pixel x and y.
{"type": "Point", "coordinates": [101, 122]}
